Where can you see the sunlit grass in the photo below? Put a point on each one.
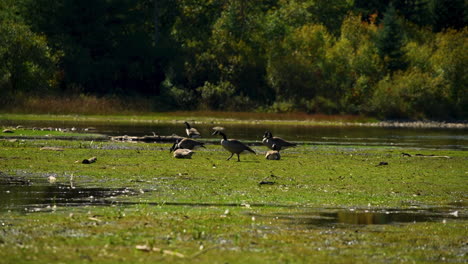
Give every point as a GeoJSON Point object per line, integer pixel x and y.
{"type": "Point", "coordinates": [223, 229]}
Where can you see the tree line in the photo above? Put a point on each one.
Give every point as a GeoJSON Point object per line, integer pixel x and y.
{"type": "Point", "coordinates": [386, 58]}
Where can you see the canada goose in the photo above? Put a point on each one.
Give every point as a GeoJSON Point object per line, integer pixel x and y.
{"type": "Point", "coordinates": [191, 131]}
{"type": "Point", "coordinates": [187, 143]}
{"type": "Point", "coordinates": [273, 154]}
{"type": "Point", "coordinates": [183, 154]}
{"type": "Point", "coordinates": [232, 145]}
{"type": "Point", "coordinates": [269, 141]}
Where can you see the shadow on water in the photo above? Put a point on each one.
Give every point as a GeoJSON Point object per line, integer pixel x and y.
{"type": "Point", "coordinates": [23, 194]}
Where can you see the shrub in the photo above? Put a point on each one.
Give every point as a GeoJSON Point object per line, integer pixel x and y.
{"type": "Point", "coordinates": [319, 104]}
{"type": "Point", "coordinates": [182, 98]}
{"type": "Point", "coordinates": [216, 97]}
{"type": "Point", "coordinates": [282, 106]}
{"type": "Point", "coordinates": [450, 62]}
{"type": "Point", "coordinates": [295, 66]}
{"type": "Point", "coordinates": [27, 64]}
{"type": "Point", "coordinates": [411, 94]}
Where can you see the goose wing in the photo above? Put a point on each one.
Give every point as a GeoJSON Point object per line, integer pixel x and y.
{"type": "Point", "coordinates": [235, 146]}
{"type": "Point", "coordinates": [281, 143]}
{"type": "Point", "coordinates": [188, 143]}
{"type": "Point", "coordinates": [192, 132]}
{"type": "Point", "coordinates": [268, 143]}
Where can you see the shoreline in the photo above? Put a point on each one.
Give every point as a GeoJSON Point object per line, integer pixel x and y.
{"type": "Point", "coordinates": [199, 118]}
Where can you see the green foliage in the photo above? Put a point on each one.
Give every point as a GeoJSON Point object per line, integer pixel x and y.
{"type": "Point", "coordinates": [282, 106]}
{"type": "Point", "coordinates": [184, 99]}
{"type": "Point", "coordinates": [108, 45]}
{"type": "Point", "coordinates": [221, 97]}
{"type": "Point", "coordinates": [445, 57]}
{"type": "Point", "coordinates": [237, 47]}
{"type": "Point", "coordinates": [295, 67]}
{"type": "Point", "coordinates": [352, 68]}
{"type": "Point", "coordinates": [450, 62]}
{"type": "Point", "coordinates": [329, 13]}
{"type": "Point", "coordinates": [216, 97]}
{"type": "Point", "coordinates": [412, 94]}
{"type": "Point", "coordinates": [390, 41]}
{"type": "Point", "coordinates": [302, 55]}
{"type": "Point", "coordinates": [27, 63]}
{"type": "Point", "coordinates": [448, 14]}
{"type": "Point", "coordinates": [319, 104]}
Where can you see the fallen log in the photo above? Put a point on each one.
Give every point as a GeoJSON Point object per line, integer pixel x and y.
{"type": "Point", "coordinates": [155, 138]}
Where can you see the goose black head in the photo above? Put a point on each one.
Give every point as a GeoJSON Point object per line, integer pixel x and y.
{"type": "Point", "coordinates": [267, 134]}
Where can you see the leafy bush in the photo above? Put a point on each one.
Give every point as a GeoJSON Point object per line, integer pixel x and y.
{"type": "Point", "coordinates": [450, 62]}
{"type": "Point", "coordinates": [295, 67]}
{"type": "Point", "coordinates": [28, 65]}
{"type": "Point", "coordinates": [411, 94]}
{"type": "Point", "coordinates": [216, 97]}
{"type": "Point", "coordinates": [319, 104]}
{"type": "Point", "coordinates": [281, 106]}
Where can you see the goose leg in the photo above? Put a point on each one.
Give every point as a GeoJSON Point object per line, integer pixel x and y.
{"type": "Point", "coordinates": [230, 156]}
{"type": "Point", "coordinates": [238, 157]}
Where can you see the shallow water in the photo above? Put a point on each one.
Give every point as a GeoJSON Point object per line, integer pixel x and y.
{"type": "Point", "coordinates": [381, 216]}
{"type": "Point", "coordinates": [441, 138]}
{"type": "Point", "coordinates": [18, 193]}
{"type": "Point", "coordinates": [24, 194]}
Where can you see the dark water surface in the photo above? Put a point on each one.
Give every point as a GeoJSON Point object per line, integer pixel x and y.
{"type": "Point", "coordinates": [18, 193]}
{"type": "Point", "coordinates": [381, 216]}
{"type": "Point", "coordinates": [443, 138]}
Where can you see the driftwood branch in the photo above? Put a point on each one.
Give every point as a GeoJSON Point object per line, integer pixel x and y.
{"type": "Point", "coordinates": [156, 138]}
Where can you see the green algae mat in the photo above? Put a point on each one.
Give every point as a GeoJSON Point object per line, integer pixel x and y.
{"type": "Point", "coordinates": [318, 204]}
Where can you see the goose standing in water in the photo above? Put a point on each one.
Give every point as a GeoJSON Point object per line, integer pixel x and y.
{"type": "Point", "coordinates": [273, 154]}
{"type": "Point", "coordinates": [191, 131]}
{"type": "Point", "coordinates": [269, 140]}
{"type": "Point", "coordinates": [232, 145]}
{"type": "Point", "coordinates": [187, 143]}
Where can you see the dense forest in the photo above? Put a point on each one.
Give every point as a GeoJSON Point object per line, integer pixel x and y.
{"type": "Point", "coordinates": [385, 58]}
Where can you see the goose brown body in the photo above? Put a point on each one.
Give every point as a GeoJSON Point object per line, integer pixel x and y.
{"type": "Point", "coordinates": [188, 143]}
{"type": "Point", "coordinates": [269, 141]}
{"type": "Point", "coordinates": [183, 154]}
{"type": "Point", "coordinates": [232, 145]}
